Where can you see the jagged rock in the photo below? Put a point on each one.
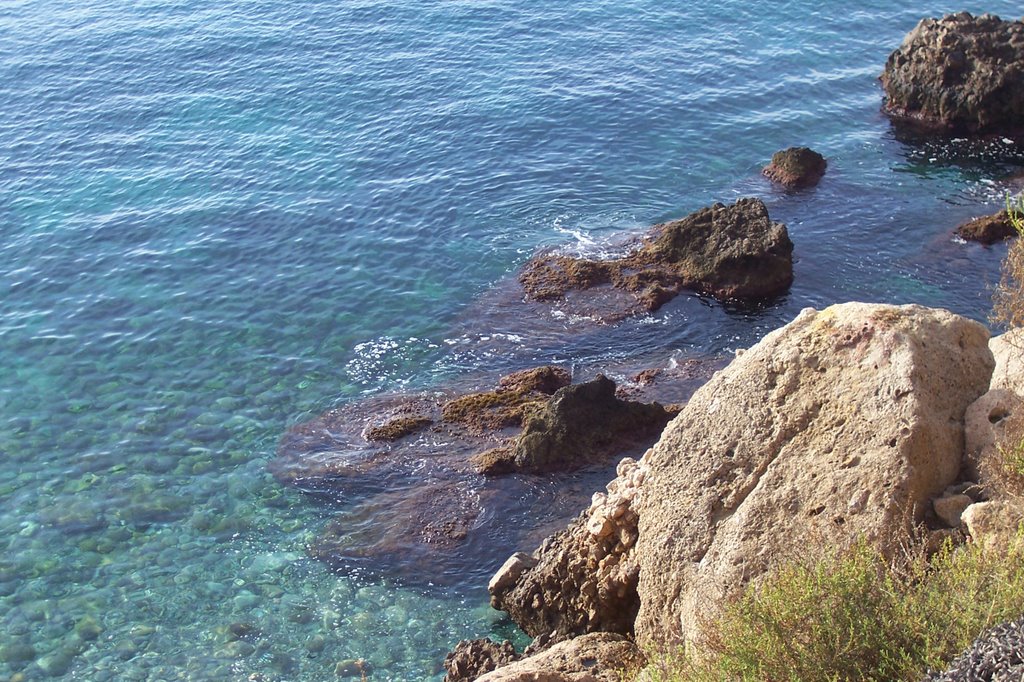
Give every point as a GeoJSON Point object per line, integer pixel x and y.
{"type": "Point", "coordinates": [961, 73]}
{"type": "Point", "coordinates": [729, 252]}
{"type": "Point", "coordinates": [988, 229]}
{"type": "Point", "coordinates": [843, 424]}
{"type": "Point", "coordinates": [598, 657]}
{"type": "Point", "coordinates": [796, 167]}
{"type": "Point", "coordinates": [472, 658]}
{"type": "Point", "coordinates": [582, 424]}
{"type": "Point", "coordinates": [580, 580]}
{"type": "Point", "coordinates": [996, 656]}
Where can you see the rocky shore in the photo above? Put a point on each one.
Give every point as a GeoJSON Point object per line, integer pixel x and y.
{"type": "Point", "coordinates": [859, 422]}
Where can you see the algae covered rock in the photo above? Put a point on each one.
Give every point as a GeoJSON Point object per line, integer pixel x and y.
{"type": "Point", "coordinates": [959, 73]}
{"type": "Point", "coordinates": [734, 253]}
{"type": "Point", "coordinates": [796, 168]}
{"type": "Point", "coordinates": [583, 423]}
{"type": "Point", "coordinates": [988, 229]}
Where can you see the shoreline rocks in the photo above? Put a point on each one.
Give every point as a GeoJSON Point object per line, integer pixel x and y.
{"type": "Point", "coordinates": [846, 423]}
{"type": "Point", "coordinates": [408, 468]}
{"type": "Point", "coordinates": [796, 168]}
{"type": "Point", "coordinates": [988, 229]}
{"type": "Point", "coordinates": [960, 73]}
{"type": "Point", "coordinates": [733, 253]}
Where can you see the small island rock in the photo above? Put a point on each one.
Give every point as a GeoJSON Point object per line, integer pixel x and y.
{"type": "Point", "coordinates": [796, 168]}
{"type": "Point", "coordinates": [960, 73]}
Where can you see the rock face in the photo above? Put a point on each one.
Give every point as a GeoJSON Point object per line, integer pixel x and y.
{"type": "Point", "coordinates": [472, 658]}
{"type": "Point", "coordinates": [1008, 351]}
{"type": "Point", "coordinates": [844, 423]}
{"type": "Point", "coordinates": [988, 229]}
{"type": "Point", "coordinates": [960, 73]}
{"type": "Point", "coordinates": [796, 168]}
{"type": "Point", "coordinates": [730, 252]}
{"type": "Point", "coordinates": [599, 657]}
{"type": "Point", "coordinates": [580, 580]}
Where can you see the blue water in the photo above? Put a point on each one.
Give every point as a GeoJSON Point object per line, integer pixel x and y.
{"type": "Point", "coordinates": [221, 218]}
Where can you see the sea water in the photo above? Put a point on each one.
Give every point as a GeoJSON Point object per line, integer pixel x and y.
{"type": "Point", "coordinates": [222, 218]}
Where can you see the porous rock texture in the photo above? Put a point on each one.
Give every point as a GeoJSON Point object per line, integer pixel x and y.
{"type": "Point", "coordinates": [472, 658]}
{"type": "Point", "coordinates": [598, 657]}
{"type": "Point", "coordinates": [961, 73]}
{"type": "Point", "coordinates": [988, 229]}
{"type": "Point", "coordinates": [729, 252]}
{"type": "Point", "coordinates": [843, 424]}
{"type": "Point", "coordinates": [1008, 351]}
{"type": "Point", "coordinates": [580, 580]}
{"type": "Point", "coordinates": [996, 656]}
{"type": "Point", "coordinates": [796, 168]}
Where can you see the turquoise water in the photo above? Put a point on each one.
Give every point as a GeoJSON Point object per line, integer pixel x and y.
{"type": "Point", "coordinates": [222, 218]}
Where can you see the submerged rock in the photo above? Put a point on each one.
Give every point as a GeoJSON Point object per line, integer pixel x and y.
{"type": "Point", "coordinates": [415, 506]}
{"type": "Point", "coordinates": [796, 168]}
{"type": "Point", "coordinates": [730, 252]}
{"type": "Point", "coordinates": [988, 229]}
{"type": "Point", "coordinates": [959, 73]}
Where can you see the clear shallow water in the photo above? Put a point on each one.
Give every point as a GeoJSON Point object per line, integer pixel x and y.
{"type": "Point", "coordinates": [222, 218]}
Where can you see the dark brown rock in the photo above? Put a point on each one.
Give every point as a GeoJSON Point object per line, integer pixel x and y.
{"type": "Point", "coordinates": [472, 658]}
{"type": "Point", "coordinates": [730, 252]}
{"type": "Point", "coordinates": [796, 168]}
{"type": "Point", "coordinates": [988, 229]}
{"type": "Point", "coordinates": [580, 580]}
{"type": "Point", "coordinates": [960, 73]}
{"type": "Point", "coordinates": [582, 424]}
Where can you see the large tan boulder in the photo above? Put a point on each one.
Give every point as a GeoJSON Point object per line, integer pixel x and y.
{"type": "Point", "coordinates": [597, 657]}
{"type": "Point", "coordinates": [843, 424]}
{"type": "Point", "coordinates": [1008, 351]}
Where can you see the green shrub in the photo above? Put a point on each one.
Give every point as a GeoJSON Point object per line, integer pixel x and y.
{"type": "Point", "coordinates": [853, 616]}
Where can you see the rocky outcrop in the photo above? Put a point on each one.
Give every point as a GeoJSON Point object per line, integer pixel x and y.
{"type": "Point", "coordinates": [844, 424]}
{"type": "Point", "coordinates": [796, 168]}
{"type": "Point", "coordinates": [581, 423]}
{"type": "Point", "coordinates": [987, 229]}
{"type": "Point", "coordinates": [580, 580]}
{"type": "Point", "coordinates": [996, 656]}
{"type": "Point", "coordinates": [730, 252]}
{"type": "Point", "coordinates": [406, 469]}
{"type": "Point", "coordinates": [960, 73]}
{"type": "Point", "coordinates": [472, 658]}
{"type": "Point", "coordinates": [599, 657]}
